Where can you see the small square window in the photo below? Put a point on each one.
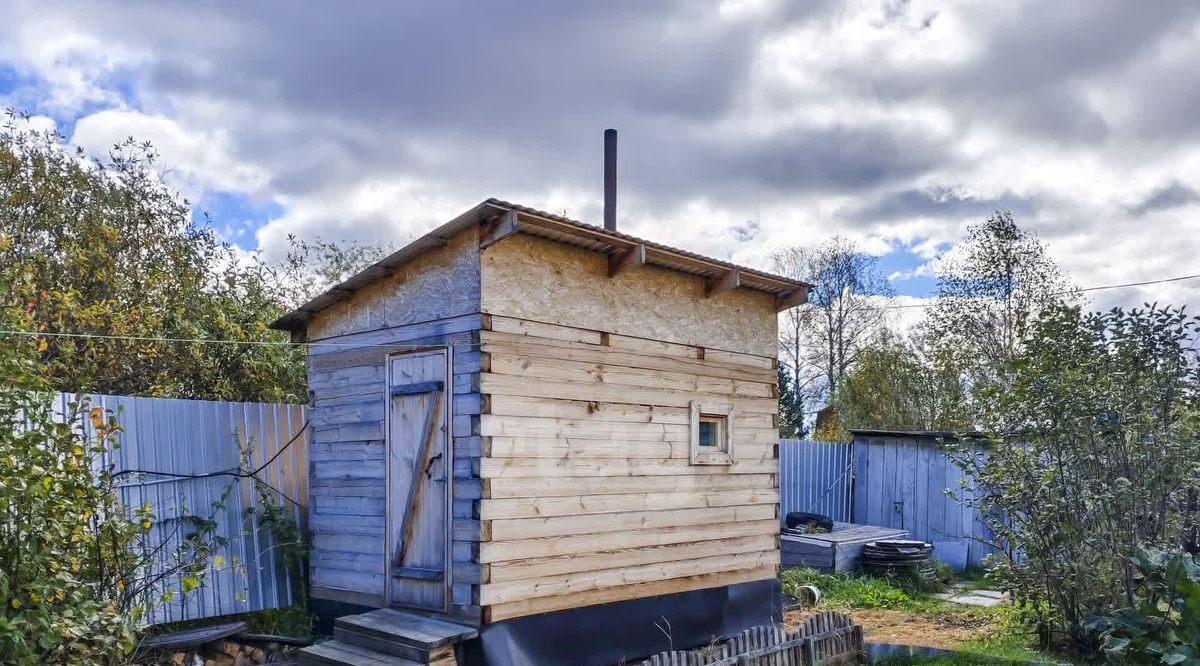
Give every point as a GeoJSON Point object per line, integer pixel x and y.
{"type": "Point", "coordinates": [711, 434]}
{"type": "Point", "coordinates": [710, 430]}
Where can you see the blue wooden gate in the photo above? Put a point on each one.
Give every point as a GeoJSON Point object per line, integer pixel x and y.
{"type": "Point", "coordinates": [906, 481]}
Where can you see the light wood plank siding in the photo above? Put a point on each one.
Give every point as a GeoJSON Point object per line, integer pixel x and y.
{"type": "Point", "coordinates": [588, 493]}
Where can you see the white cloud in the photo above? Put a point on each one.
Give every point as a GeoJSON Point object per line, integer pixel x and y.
{"type": "Point", "coordinates": [75, 66]}
{"type": "Point", "coordinates": [924, 270]}
{"type": "Point", "coordinates": [894, 124]}
{"type": "Point", "coordinates": [195, 160]}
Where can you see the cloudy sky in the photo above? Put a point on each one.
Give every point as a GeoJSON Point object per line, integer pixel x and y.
{"type": "Point", "coordinates": [746, 125]}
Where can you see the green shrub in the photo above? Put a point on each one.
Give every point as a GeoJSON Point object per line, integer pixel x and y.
{"type": "Point", "coordinates": [66, 592]}
{"type": "Point", "coordinates": [1090, 456]}
{"type": "Point", "coordinates": [1163, 626]}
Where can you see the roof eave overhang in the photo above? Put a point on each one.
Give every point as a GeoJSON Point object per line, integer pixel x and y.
{"type": "Point", "coordinates": [504, 219]}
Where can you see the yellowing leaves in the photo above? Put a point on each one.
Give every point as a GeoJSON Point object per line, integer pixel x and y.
{"type": "Point", "coordinates": [97, 417]}
{"type": "Point", "coordinates": [190, 583]}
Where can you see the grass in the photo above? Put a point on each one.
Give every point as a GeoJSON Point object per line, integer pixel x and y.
{"type": "Point", "coordinates": [294, 621]}
{"type": "Point", "coordinates": [845, 591]}
{"type": "Point", "coordinates": [1003, 639]}
{"type": "Point", "coordinates": [956, 660]}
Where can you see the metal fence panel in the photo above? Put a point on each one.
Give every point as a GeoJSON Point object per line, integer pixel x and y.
{"type": "Point", "coordinates": [197, 437]}
{"type": "Point", "coordinates": [815, 477]}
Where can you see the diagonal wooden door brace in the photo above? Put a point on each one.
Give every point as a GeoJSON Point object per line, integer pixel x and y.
{"type": "Point", "coordinates": [419, 462]}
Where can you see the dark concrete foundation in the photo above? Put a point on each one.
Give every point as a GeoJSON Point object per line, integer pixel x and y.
{"type": "Point", "coordinates": [625, 631]}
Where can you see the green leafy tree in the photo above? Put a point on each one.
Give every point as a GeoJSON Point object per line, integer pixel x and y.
{"type": "Point", "coordinates": [791, 407]}
{"type": "Point", "coordinates": [991, 288]}
{"type": "Point", "coordinates": [108, 251]}
{"type": "Point", "coordinates": [1091, 458]}
{"type": "Point", "coordinates": [901, 385]}
{"type": "Point", "coordinates": [62, 535]}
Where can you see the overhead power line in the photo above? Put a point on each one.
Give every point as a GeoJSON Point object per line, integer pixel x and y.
{"type": "Point", "coordinates": [257, 343]}
{"type": "Point", "coordinates": [360, 345]}
{"type": "Point", "coordinates": [1140, 284]}
{"type": "Point", "coordinates": [1059, 293]}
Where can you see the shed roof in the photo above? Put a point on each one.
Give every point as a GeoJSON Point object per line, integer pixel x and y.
{"type": "Point", "coordinates": [501, 218]}
{"type": "Point", "coordinates": [917, 434]}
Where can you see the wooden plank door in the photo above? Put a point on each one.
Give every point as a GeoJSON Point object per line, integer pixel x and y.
{"type": "Point", "coordinates": [418, 485]}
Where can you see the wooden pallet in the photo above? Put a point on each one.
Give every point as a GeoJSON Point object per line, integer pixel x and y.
{"type": "Point", "coordinates": [826, 639]}
{"type": "Point", "coordinates": [833, 551]}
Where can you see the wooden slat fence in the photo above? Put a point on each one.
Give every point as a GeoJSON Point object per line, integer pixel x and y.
{"type": "Point", "coordinates": [197, 437]}
{"type": "Point", "coordinates": [827, 638]}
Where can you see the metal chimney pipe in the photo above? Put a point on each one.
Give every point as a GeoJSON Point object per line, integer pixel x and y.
{"type": "Point", "coordinates": [610, 179]}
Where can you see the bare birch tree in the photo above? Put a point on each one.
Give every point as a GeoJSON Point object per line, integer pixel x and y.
{"type": "Point", "coordinates": [821, 340]}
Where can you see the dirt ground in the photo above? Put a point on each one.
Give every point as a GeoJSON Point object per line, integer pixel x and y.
{"type": "Point", "coordinates": [908, 628]}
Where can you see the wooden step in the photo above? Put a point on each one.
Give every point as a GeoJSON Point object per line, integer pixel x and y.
{"type": "Point", "coordinates": [412, 629]}
{"type": "Point", "coordinates": [390, 646]}
{"type": "Point", "coordinates": [336, 653]}
{"type": "Point", "coordinates": [422, 639]}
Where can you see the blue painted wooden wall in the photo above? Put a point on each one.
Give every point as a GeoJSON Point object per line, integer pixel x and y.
{"type": "Point", "coordinates": [907, 481]}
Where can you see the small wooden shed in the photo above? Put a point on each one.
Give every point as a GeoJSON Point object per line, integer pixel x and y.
{"type": "Point", "coordinates": [528, 424]}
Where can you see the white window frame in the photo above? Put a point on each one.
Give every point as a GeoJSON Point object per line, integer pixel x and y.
{"type": "Point", "coordinates": [705, 455]}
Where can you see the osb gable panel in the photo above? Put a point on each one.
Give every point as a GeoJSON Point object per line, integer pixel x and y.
{"type": "Point", "coordinates": [533, 278]}
{"type": "Point", "coordinates": [438, 284]}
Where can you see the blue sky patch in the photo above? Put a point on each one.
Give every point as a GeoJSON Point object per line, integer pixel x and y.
{"type": "Point", "coordinates": [903, 260]}
{"type": "Point", "coordinates": [235, 216]}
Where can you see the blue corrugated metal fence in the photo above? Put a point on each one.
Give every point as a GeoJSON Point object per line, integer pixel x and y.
{"type": "Point", "coordinates": [907, 481]}
{"type": "Point", "coordinates": [814, 477]}
{"type": "Point", "coordinates": [197, 437]}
